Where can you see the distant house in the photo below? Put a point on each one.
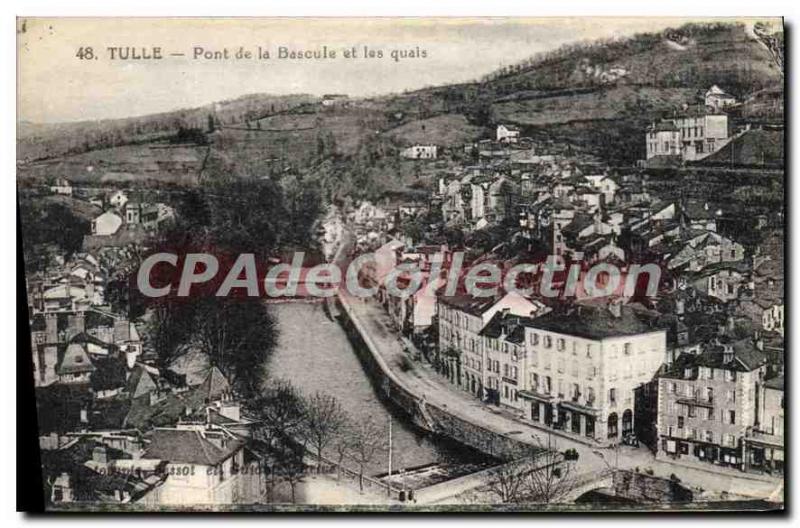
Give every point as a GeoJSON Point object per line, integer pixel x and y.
{"type": "Point", "coordinates": [605, 185]}
{"type": "Point", "coordinates": [507, 133]}
{"type": "Point", "coordinates": [772, 318]}
{"type": "Point", "coordinates": [61, 186]}
{"type": "Point", "coordinates": [705, 249]}
{"type": "Point", "coordinates": [75, 366]}
{"type": "Point", "coordinates": [720, 281]}
{"type": "Point", "coordinates": [329, 100]}
{"type": "Point", "coordinates": [692, 135]}
{"type": "Point", "coordinates": [106, 224]}
{"type": "Point", "coordinates": [118, 199]}
{"type": "Point", "coordinates": [717, 99]}
{"type": "Point", "coordinates": [420, 152]}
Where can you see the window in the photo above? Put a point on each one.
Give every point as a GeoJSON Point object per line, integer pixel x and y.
{"type": "Point", "coordinates": [576, 392]}
{"type": "Point", "coordinates": [548, 385]}
{"type": "Point", "coordinates": [548, 341]}
{"type": "Point", "coordinates": [732, 417]}
{"type": "Point", "coordinates": [627, 349]}
{"type": "Point", "coordinates": [692, 411]}
{"type": "Point", "coordinates": [534, 339]}
{"type": "Point", "coordinates": [680, 422]}
{"type": "Point", "coordinates": [612, 396]}
{"type": "Point", "coordinates": [560, 344]}
{"type": "Point", "coordinates": [535, 382]}
{"type": "Point", "coordinates": [673, 387]}
{"type": "Point", "coordinates": [590, 395]}
{"type": "Point", "coordinates": [730, 440]}
{"type": "Point", "coordinates": [710, 414]}
{"type": "Point", "coordinates": [588, 350]}
{"type": "Point", "coordinates": [709, 436]}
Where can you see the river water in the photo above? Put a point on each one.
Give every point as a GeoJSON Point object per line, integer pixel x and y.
{"type": "Point", "coordinates": [315, 354]}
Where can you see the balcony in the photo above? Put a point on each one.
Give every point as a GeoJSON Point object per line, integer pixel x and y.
{"type": "Point", "coordinates": [763, 438]}
{"type": "Point", "coordinates": [573, 405]}
{"type": "Point", "coordinates": [696, 402]}
{"type": "Point", "coordinates": [535, 395]}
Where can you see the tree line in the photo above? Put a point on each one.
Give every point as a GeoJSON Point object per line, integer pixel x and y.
{"type": "Point", "coordinates": [292, 425]}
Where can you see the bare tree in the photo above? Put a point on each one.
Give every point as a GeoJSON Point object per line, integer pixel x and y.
{"type": "Point", "coordinates": [551, 475]}
{"type": "Point", "coordinates": [343, 444]}
{"type": "Point", "coordinates": [324, 418]}
{"type": "Point", "coordinates": [280, 409]}
{"type": "Point", "coordinates": [507, 482]}
{"type": "Point", "coordinates": [537, 474]}
{"type": "Point", "coordinates": [291, 470]}
{"type": "Point", "coordinates": [368, 441]}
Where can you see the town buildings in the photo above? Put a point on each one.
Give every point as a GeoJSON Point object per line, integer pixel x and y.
{"type": "Point", "coordinates": [708, 404]}
{"type": "Point", "coordinates": [692, 135]}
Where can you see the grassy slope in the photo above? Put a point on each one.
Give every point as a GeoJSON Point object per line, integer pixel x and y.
{"type": "Point", "coordinates": [560, 97]}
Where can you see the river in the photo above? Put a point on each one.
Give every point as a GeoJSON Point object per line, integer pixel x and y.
{"type": "Point", "coordinates": [315, 354]}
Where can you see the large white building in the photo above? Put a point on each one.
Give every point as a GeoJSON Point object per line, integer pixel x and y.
{"type": "Point", "coordinates": [576, 370]}
{"type": "Point", "coordinates": [692, 135]}
{"type": "Point", "coordinates": [584, 367]}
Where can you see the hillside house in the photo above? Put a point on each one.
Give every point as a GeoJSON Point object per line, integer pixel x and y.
{"type": "Point", "coordinates": [704, 249]}
{"type": "Point", "coordinates": [507, 133]}
{"type": "Point", "coordinates": [718, 99]}
{"type": "Point", "coordinates": [693, 135]}
{"type": "Point", "coordinates": [117, 199]}
{"type": "Point", "coordinates": [425, 152]}
{"type": "Point", "coordinates": [61, 186]}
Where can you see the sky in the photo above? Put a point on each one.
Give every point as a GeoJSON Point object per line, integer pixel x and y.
{"type": "Point", "coordinates": [54, 84]}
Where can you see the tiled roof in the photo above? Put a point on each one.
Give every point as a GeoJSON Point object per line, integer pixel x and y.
{"type": "Point", "coordinates": [186, 446]}
{"type": "Point", "coordinates": [592, 323]}
{"type": "Point", "coordinates": [467, 303]}
{"type": "Point", "coordinates": [75, 361]}
{"type": "Point", "coordinates": [775, 383]}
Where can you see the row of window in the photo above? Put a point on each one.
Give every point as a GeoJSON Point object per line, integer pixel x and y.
{"type": "Point", "coordinates": [728, 440]}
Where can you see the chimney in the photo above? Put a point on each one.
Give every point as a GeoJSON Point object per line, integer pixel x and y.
{"type": "Point", "coordinates": [615, 307]}
{"type": "Point", "coordinates": [730, 325]}
{"type": "Point", "coordinates": [231, 411]}
{"type": "Point", "coordinates": [130, 356]}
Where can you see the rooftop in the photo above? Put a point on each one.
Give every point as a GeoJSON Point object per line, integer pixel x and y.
{"type": "Point", "coordinates": [592, 322]}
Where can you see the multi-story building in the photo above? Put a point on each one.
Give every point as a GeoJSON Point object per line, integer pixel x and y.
{"type": "Point", "coordinates": [461, 318]}
{"type": "Point", "coordinates": [708, 401]}
{"type": "Point", "coordinates": [583, 366]}
{"type": "Point", "coordinates": [693, 135]}
{"type": "Point", "coordinates": [764, 441]}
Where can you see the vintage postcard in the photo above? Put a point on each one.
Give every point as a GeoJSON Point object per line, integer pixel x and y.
{"type": "Point", "coordinates": [404, 264]}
